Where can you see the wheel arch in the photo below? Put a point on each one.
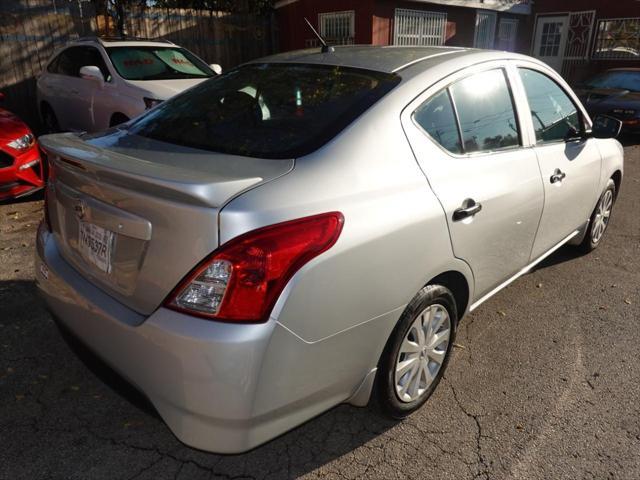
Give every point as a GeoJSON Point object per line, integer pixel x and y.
{"type": "Point", "coordinates": [617, 180]}
{"type": "Point", "coordinates": [459, 286]}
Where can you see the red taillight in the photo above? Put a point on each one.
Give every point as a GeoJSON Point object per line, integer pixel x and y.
{"type": "Point", "coordinates": [45, 170]}
{"type": "Point", "coordinates": [241, 281]}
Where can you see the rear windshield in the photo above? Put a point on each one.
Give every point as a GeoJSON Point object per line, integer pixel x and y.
{"type": "Point", "coordinates": [266, 110]}
{"type": "Point", "coordinates": [621, 79]}
{"type": "Point", "coordinates": [157, 63]}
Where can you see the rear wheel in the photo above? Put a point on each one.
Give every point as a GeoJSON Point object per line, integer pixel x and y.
{"type": "Point", "coordinates": [599, 219]}
{"type": "Point", "coordinates": [418, 351]}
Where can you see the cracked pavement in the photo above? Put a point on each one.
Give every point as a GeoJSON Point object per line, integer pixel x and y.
{"type": "Point", "coordinates": [544, 383]}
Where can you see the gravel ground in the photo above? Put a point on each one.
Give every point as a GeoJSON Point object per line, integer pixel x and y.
{"type": "Point", "coordinates": [544, 383]}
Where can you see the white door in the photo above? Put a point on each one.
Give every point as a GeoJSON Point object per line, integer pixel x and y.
{"type": "Point", "coordinates": [485, 29]}
{"type": "Point", "coordinates": [550, 40]}
{"type": "Point", "coordinates": [507, 30]}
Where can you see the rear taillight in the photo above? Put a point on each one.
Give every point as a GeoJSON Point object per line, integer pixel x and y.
{"type": "Point", "coordinates": [45, 171]}
{"type": "Point", "coordinates": [241, 281]}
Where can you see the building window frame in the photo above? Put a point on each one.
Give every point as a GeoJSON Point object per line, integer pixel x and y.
{"type": "Point", "coordinates": [419, 27]}
{"type": "Point", "coordinates": [338, 28]}
{"type": "Point", "coordinates": [627, 40]}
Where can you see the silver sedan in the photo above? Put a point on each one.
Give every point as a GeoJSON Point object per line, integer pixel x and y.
{"type": "Point", "coordinates": [280, 239]}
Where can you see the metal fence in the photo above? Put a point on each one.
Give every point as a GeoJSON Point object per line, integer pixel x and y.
{"type": "Point", "coordinates": [31, 30]}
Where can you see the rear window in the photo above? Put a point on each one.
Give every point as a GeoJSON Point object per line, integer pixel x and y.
{"type": "Point", "coordinates": [266, 110]}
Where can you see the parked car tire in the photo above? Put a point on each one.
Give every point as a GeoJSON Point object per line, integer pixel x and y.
{"type": "Point", "coordinates": [417, 353]}
{"type": "Point", "coordinates": [49, 120]}
{"type": "Point", "coordinates": [599, 219]}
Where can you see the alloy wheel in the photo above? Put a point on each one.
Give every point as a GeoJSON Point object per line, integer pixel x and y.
{"type": "Point", "coordinates": [422, 353]}
{"type": "Point", "coordinates": [601, 220]}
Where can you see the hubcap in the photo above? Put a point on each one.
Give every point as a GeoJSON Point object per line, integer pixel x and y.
{"type": "Point", "coordinates": [601, 220]}
{"type": "Point", "coordinates": [422, 353]}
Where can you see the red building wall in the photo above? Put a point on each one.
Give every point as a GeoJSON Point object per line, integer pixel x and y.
{"type": "Point", "coordinates": [374, 21]}
{"type": "Point", "coordinates": [293, 30]}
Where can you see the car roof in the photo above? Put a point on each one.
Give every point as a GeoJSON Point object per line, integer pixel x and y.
{"type": "Point", "coordinates": [388, 59]}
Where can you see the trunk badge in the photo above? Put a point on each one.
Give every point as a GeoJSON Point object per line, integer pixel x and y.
{"type": "Point", "coordinates": [80, 209]}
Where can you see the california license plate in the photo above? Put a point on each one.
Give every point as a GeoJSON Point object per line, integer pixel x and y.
{"type": "Point", "coordinates": [95, 244]}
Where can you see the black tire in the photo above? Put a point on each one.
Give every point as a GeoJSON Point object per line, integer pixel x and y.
{"type": "Point", "coordinates": [388, 398]}
{"type": "Point", "coordinates": [592, 241]}
{"type": "Point", "coordinates": [117, 119]}
{"type": "Point", "coordinates": [49, 120]}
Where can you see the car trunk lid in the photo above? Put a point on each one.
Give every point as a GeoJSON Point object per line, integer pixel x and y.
{"type": "Point", "coordinates": [134, 215]}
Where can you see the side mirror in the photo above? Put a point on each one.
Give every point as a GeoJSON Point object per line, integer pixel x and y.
{"type": "Point", "coordinates": [2, 97]}
{"type": "Point", "coordinates": [605, 126]}
{"type": "Point", "coordinates": [91, 72]}
{"type": "Point", "coordinates": [216, 68]}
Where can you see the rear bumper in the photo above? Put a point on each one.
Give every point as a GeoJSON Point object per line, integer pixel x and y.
{"type": "Point", "coordinates": [219, 387]}
{"type": "Point", "coordinates": [201, 376]}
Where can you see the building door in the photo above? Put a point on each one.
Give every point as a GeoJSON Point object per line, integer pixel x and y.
{"type": "Point", "coordinates": [485, 29]}
{"type": "Point", "coordinates": [550, 40]}
{"type": "Point", "coordinates": [419, 27]}
{"type": "Point", "coordinates": [507, 31]}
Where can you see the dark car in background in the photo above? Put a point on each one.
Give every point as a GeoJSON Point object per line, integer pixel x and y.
{"type": "Point", "coordinates": [616, 93]}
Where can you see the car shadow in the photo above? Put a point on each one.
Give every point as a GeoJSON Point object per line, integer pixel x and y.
{"type": "Point", "coordinates": [317, 442]}
{"type": "Point", "coordinates": [33, 197]}
{"type": "Point", "coordinates": [565, 254]}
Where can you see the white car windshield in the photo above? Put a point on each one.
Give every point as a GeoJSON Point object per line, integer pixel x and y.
{"type": "Point", "coordinates": [157, 63]}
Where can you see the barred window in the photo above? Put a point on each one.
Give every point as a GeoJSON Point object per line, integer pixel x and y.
{"type": "Point", "coordinates": [618, 38]}
{"type": "Point", "coordinates": [337, 28]}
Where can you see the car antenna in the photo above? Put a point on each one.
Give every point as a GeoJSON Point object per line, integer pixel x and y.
{"type": "Point", "coordinates": [325, 48]}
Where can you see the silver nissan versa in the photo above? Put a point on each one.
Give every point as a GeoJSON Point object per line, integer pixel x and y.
{"type": "Point", "coordinates": [283, 237]}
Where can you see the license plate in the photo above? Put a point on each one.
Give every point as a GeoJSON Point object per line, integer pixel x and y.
{"type": "Point", "coordinates": [95, 244]}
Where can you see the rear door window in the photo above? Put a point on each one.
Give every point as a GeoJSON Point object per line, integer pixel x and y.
{"type": "Point", "coordinates": [437, 118]}
{"type": "Point", "coordinates": [267, 110]}
{"type": "Point", "coordinates": [485, 111]}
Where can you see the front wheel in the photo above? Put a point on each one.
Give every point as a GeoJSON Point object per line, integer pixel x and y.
{"type": "Point", "coordinates": [599, 219]}
{"type": "Point", "coordinates": [417, 353]}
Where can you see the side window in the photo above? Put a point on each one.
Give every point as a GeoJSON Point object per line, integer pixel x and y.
{"type": "Point", "coordinates": [54, 65]}
{"type": "Point", "coordinates": [555, 117]}
{"type": "Point", "coordinates": [437, 118]}
{"type": "Point", "coordinates": [485, 112]}
{"type": "Point", "coordinates": [67, 62]}
{"type": "Point", "coordinates": [93, 57]}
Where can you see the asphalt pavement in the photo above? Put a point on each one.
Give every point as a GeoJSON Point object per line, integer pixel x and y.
{"type": "Point", "coordinates": [544, 383]}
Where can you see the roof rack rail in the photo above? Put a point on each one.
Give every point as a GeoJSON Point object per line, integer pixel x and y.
{"type": "Point", "coordinates": [122, 38]}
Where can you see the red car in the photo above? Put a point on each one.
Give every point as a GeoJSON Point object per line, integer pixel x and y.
{"type": "Point", "coordinates": [21, 169]}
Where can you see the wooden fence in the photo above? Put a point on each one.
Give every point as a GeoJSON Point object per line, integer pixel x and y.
{"type": "Point", "coordinates": [32, 30]}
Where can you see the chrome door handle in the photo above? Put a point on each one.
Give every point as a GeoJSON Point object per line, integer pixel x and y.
{"type": "Point", "coordinates": [468, 209]}
{"type": "Point", "coordinates": [75, 92]}
{"type": "Point", "coordinates": [557, 176]}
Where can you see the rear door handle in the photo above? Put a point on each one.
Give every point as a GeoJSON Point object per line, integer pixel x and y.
{"type": "Point", "coordinates": [557, 176]}
{"type": "Point", "coordinates": [468, 209]}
